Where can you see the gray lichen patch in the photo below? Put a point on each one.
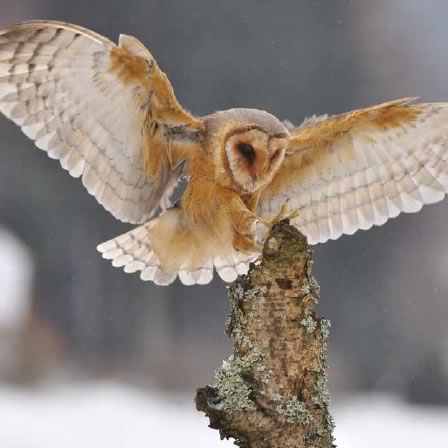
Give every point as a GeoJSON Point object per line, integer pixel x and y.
{"type": "Point", "coordinates": [309, 324]}
{"type": "Point", "coordinates": [295, 411]}
{"type": "Point", "coordinates": [236, 296]}
{"type": "Point", "coordinates": [233, 389]}
{"type": "Point", "coordinates": [255, 293]}
{"type": "Point", "coordinates": [325, 326]}
{"type": "Point", "coordinates": [330, 423]}
{"type": "Point", "coordinates": [314, 285]}
{"type": "Point", "coordinates": [328, 429]}
{"type": "Point", "coordinates": [310, 296]}
{"type": "Point", "coordinates": [305, 289]}
{"type": "Point", "coordinates": [239, 293]}
{"type": "Point", "coordinates": [321, 395]}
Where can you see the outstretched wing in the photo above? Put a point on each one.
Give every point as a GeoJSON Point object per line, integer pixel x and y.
{"type": "Point", "coordinates": [355, 170]}
{"type": "Point", "coordinates": [106, 112]}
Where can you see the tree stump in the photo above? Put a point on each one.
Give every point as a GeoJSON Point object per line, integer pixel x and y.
{"type": "Point", "coordinates": [272, 392]}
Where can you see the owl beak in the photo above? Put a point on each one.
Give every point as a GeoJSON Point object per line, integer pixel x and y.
{"type": "Point", "coordinates": [262, 165]}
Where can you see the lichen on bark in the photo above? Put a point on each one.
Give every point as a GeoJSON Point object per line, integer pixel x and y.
{"type": "Point", "coordinates": [272, 392]}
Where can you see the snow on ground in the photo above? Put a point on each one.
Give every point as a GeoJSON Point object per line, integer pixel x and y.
{"type": "Point", "coordinates": [118, 416]}
{"type": "Point", "coordinates": [381, 421]}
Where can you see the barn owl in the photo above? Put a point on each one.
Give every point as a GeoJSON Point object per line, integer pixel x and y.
{"type": "Point", "coordinates": [108, 113]}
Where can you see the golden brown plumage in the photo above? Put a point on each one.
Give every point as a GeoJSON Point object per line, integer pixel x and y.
{"type": "Point", "coordinates": [109, 115]}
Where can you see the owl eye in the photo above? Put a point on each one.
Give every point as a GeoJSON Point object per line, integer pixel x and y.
{"type": "Point", "coordinates": [247, 151]}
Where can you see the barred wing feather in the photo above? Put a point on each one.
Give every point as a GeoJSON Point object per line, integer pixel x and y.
{"type": "Point", "coordinates": [356, 170]}
{"type": "Point", "coordinates": [87, 102]}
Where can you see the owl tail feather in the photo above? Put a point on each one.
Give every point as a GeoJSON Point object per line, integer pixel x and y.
{"type": "Point", "coordinates": [133, 252]}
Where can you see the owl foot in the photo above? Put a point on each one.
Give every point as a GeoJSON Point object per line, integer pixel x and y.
{"type": "Point", "coordinates": [263, 226]}
{"type": "Point", "coordinates": [280, 216]}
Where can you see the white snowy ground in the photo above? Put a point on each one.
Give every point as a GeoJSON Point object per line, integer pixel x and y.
{"type": "Point", "coordinates": [117, 416]}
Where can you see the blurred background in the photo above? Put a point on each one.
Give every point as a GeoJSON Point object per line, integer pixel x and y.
{"type": "Point", "coordinates": [85, 347]}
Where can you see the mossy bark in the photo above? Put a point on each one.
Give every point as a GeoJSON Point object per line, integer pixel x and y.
{"type": "Point", "coordinates": [272, 392]}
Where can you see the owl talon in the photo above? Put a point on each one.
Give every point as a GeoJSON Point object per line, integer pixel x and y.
{"type": "Point", "coordinates": [293, 215]}
{"type": "Point", "coordinates": [283, 209]}
{"type": "Point", "coordinates": [280, 216]}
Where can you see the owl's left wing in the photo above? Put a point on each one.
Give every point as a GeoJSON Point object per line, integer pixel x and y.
{"type": "Point", "coordinates": [356, 170]}
{"type": "Point", "coordinates": [105, 111]}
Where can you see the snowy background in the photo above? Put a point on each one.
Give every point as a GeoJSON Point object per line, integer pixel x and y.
{"type": "Point", "coordinates": [90, 356]}
{"type": "Point", "coordinates": [116, 416]}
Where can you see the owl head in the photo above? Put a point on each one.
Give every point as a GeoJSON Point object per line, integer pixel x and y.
{"type": "Point", "coordinates": [253, 145]}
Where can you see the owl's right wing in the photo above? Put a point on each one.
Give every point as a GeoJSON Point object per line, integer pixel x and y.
{"type": "Point", "coordinates": [106, 112]}
{"type": "Point", "coordinates": [356, 170]}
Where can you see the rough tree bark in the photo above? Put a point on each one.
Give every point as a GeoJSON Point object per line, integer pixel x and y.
{"type": "Point", "coordinates": [272, 392]}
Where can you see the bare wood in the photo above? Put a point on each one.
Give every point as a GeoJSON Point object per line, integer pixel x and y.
{"type": "Point", "coordinates": [272, 392]}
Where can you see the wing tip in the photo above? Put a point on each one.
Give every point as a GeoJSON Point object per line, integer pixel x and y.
{"type": "Point", "coordinates": [36, 23]}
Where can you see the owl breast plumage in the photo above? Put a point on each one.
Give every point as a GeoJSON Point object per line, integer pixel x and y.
{"type": "Point", "coordinates": [109, 115]}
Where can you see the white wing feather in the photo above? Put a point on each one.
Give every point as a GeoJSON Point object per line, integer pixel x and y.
{"type": "Point", "coordinates": [57, 84]}
{"type": "Point", "coordinates": [133, 252]}
{"type": "Point", "coordinates": [388, 172]}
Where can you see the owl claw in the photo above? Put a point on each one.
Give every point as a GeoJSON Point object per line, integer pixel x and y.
{"type": "Point", "coordinates": [280, 216]}
{"type": "Point", "coordinates": [293, 215]}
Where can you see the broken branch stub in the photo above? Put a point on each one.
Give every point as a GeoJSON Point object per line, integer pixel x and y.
{"type": "Point", "coordinates": [272, 391]}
